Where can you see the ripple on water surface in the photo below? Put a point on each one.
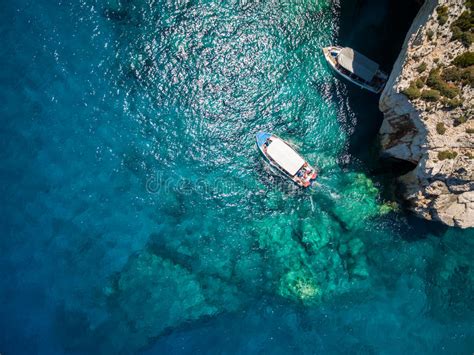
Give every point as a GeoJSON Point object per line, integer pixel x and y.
{"type": "Point", "coordinates": [180, 219]}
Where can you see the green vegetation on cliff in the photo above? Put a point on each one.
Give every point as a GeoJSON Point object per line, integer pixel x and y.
{"type": "Point", "coordinates": [435, 82]}
{"type": "Point", "coordinates": [412, 92]}
{"type": "Point", "coordinates": [442, 12]}
{"type": "Point", "coordinates": [462, 28]}
{"type": "Point", "coordinates": [446, 81]}
{"type": "Point", "coordinates": [447, 154]}
{"type": "Point", "coordinates": [430, 95]}
{"type": "Point", "coordinates": [440, 128]}
{"type": "Point", "coordinates": [421, 68]}
{"type": "Point", "coordinates": [464, 60]}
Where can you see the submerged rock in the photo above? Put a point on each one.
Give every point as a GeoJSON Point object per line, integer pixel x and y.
{"type": "Point", "coordinates": [152, 288]}
{"type": "Point", "coordinates": [309, 259]}
{"type": "Point", "coordinates": [387, 207]}
{"type": "Point", "coordinates": [358, 200]}
{"type": "Point", "coordinates": [300, 286]}
{"type": "Point", "coordinates": [150, 296]}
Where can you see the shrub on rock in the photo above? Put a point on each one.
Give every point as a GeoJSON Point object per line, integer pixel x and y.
{"type": "Point", "coordinates": [453, 74]}
{"type": "Point", "coordinates": [447, 154]}
{"type": "Point", "coordinates": [459, 75]}
{"type": "Point", "coordinates": [464, 60]}
{"type": "Point", "coordinates": [440, 128]}
{"type": "Point", "coordinates": [442, 12]}
{"type": "Point", "coordinates": [430, 95]}
{"type": "Point", "coordinates": [412, 92]}
{"type": "Point", "coordinates": [453, 103]}
{"type": "Point", "coordinates": [435, 82]}
{"type": "Point", "coordinates": [450, 91]}
{"type": "Point", "coordinates": [465, 21]}
{"type": "Point", "coordinates": [462, 28]}
{"type": "Point", "coordinates": [468, 76]}
{"type": "Point", "coordinates": [421, 68]}
{"type": "Point", "coordinates": [419, 83]}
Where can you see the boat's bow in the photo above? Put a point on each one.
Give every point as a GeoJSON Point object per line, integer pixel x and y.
{"type": "Point", "coordinates": [261, 138]}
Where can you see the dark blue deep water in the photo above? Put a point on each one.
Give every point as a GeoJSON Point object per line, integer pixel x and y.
{"type": "Point", "coordinates": [137, 216]}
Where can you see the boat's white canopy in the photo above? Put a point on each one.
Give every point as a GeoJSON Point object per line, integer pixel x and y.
{"type": "Point", "coordinates": [285, 156]}
{"type": "Point", "coordinates": [357, 63]}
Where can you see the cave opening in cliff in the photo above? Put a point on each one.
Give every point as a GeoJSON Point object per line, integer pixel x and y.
{"type": "Point", "coordinates": [395, 167]}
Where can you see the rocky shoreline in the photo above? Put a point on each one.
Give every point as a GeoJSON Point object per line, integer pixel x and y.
{"type": "Point", "coordinates": [428, 110]}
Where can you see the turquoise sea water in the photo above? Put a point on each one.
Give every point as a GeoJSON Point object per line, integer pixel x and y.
{"type": "Point", "coordinates": [137, 215]}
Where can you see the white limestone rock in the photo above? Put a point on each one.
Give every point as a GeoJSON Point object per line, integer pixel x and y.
{"type": "Point", "coordinates": [441, 190]}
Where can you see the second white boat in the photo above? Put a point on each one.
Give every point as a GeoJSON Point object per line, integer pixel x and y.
{"type": "Point", "coordinates": [356, 68]}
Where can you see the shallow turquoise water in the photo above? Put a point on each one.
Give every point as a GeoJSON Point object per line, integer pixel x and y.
{"type": "Point", "coordinates": [138, 216]}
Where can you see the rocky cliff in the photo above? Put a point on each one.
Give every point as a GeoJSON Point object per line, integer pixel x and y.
{"type": "Point", "coordinates": [428, 110]}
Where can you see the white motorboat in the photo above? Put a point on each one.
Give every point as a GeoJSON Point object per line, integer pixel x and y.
{"type": "Point", "coordinates": [356, 68]}
{"type": "Point", "coordinates": [285, 159]}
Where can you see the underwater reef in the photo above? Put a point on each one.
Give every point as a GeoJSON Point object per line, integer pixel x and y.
{"type": "Point", "coordinates": [182, 276]}
{"type": "Point", "coordinates": [139, 217]}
